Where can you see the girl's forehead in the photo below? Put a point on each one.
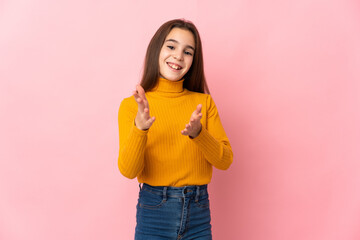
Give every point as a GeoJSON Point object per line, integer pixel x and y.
{"type": "Point", "coordinates": [181, 36]}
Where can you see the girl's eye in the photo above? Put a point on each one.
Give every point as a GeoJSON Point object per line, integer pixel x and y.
{"type": "Point", "coordinates": [188, 53]}
{"type": "Point", "coordinates": [171, 47]}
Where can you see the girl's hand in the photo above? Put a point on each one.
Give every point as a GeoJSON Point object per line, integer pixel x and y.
{"type": "Point", "coordinates": [193, 128]}
{"type": "Point", "coordinates": [143, 121]}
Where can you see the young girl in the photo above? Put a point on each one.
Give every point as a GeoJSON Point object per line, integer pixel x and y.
{"type": "Point", "coordinates": [171, 137]}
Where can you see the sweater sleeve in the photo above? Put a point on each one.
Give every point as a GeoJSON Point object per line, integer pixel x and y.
{"type": "Point", "coordinates": [212, 139]}
{"type": "Point", "coordinates": [132, 141]}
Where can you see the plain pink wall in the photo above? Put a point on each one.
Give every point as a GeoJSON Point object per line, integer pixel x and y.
{"type": "Point", "coordinates": [284, 75]}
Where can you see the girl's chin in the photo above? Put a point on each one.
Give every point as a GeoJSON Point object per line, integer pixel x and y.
{"type": "Point", "coordinates": [174, 79]}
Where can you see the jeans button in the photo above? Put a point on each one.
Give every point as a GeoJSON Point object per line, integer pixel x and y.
{"type": "Point", "coordinates": [187, 191]}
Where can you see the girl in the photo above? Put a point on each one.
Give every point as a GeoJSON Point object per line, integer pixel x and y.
{"type": "Point", "coordinates": [172, 150]}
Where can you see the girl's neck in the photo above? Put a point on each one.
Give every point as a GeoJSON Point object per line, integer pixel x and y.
{"type": "Point", "coordinates": [164, 85]}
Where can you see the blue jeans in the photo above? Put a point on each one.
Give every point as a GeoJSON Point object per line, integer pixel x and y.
{"type": "Point", "coordinates": [173, 213]}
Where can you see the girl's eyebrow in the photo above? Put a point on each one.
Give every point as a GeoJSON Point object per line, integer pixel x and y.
{"type": "Point", "coordinates": [173, 40]}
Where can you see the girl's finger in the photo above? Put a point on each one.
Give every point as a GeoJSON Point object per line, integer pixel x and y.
{"type": "Point", "coordinates": [136, 96]}
{"type": "Point", "coordinates": [195, 120]}
{"type": "Point", "coordinates": [184, 132]}
{"type": "Point", "coordinates": [138, 100]}
{"type": "Point", "coordinates": [150, 121]}
{"type": "Point", "coordinates": [140, 91]}
{"type": "Point", "coordinates": [198, 108]}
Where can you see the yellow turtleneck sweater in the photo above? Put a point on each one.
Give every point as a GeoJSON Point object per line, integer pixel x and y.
{"type": "Point", "coordinates": [162, 156]}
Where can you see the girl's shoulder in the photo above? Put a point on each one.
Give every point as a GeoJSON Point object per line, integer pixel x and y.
{"type": "Point", "coordinates": [128, 103]}
{"type": "Point", "coordinates": [204, 98]}
{"type": "Point", "coordinates": [129, 99]}
{"type": "Point", "coordinates": [197, 94]}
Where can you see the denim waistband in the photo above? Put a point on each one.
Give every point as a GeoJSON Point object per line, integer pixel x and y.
{"type": "Point", "coordinates": [186, 191]}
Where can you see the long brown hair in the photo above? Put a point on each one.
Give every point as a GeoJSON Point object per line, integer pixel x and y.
{"type": "Point", "coordinates": [194, 78]}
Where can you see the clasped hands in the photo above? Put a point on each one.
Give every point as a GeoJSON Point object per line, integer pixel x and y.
{"type": "Point", "coordinates": [143, 120]}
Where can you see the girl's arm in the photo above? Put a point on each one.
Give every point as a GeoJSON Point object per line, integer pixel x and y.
{"type": "Point", "coordinates": [212, 139]}
{"type": "Point", "coordinates": [132, 140]}
{"type": "Point", "coordinates": [134, 122]}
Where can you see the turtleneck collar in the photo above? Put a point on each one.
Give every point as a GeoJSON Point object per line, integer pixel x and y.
{"type": "Point", "coordinates": [168, 86]}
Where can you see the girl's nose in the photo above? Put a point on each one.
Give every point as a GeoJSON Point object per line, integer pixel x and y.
{"type": "Point", "coordinates": [178, 56]}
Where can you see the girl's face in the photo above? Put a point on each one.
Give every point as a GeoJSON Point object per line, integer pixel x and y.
{"type": "Point", "coordinates": [176, 54]}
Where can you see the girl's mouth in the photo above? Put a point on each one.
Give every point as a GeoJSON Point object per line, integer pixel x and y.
{"type": "Point", "coordinates": [174, 66]}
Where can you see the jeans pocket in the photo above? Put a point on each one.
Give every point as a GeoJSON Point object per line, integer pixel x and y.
{"type": "Point", "coordinates": [203, 201]}
{"type": "Point", "coordinates": [149, 200]}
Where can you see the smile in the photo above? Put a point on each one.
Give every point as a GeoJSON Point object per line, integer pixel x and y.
{"type": "Point", "coordinates": [174, 66]}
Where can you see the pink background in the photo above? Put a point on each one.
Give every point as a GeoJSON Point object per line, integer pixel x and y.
{"type": "Point", "coordinates": [284, 75]}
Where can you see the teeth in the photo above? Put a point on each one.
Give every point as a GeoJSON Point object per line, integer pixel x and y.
{"type": "Point", "coordinates": [174, 66]}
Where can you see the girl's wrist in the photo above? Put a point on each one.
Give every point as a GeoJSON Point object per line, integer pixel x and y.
{"type": "Point", "coordinates": [142, 129]}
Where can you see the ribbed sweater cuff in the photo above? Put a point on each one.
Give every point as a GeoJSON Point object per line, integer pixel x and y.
{"type": "Point", "coordinates": [211, 148]}
{"type": "Point", "coordinates": [138, 131]}
{"type": "Point", "coordinates": [133, 155]}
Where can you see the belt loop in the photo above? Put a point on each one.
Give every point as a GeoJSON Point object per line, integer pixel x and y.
{"type": "Point", "coordinates": [197, 193]}
{"type": "Point", "coordinates": [184, 190]}
{"type": "Point", "coordinates": [164, 194]}
{"type": "Point", "coordinates": [140, 186]}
